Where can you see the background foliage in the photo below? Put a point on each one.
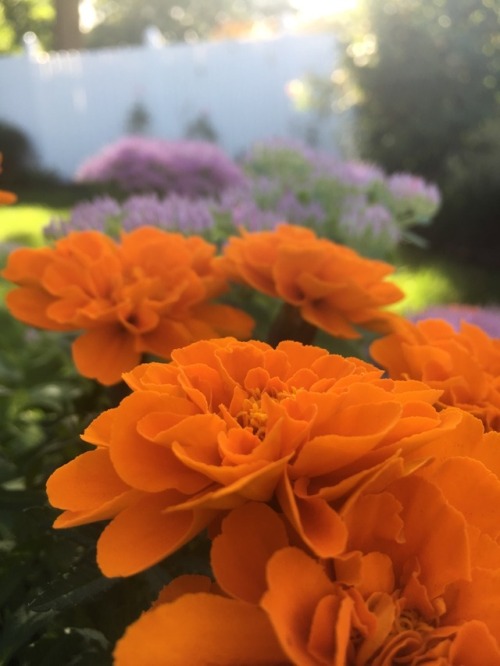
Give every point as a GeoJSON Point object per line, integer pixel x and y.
{"type": "Point", "coordinates": [427, 77]}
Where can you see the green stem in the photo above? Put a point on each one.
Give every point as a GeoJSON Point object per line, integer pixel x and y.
{"type": "Point", "coordinates": [289, 325]}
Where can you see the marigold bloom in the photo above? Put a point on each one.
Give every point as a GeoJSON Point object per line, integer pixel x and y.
{"type": "Point", "coordinates": [464, 365]}
{"type": "Point", "coordinates": [333, 287]}
{"type": "Point", "coordinates": [362, 608]}
{"type": "Point", "coordinates": [228, 422]}
{"type": "Point", "coordinates": [148, 293]}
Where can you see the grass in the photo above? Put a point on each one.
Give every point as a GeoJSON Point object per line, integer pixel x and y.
{"type": "Point", "coordinates": [425, 286]}
{"type": "Point", "coordinates": [24, 223]}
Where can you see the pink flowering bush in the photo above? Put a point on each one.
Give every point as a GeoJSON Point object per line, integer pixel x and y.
{"type": "Point", "coordinates": [140, 164]}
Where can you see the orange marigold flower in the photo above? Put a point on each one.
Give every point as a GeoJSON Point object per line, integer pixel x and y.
{"type": "Point", "coordinates": [6, 197]}
{"type": "Point", "coordinates": [333, 287]}
{"type": "Point", "coordinates": [148, 293]}
{"type": "Point", "coordinates": [228, 422]}
{"type": "Point", "coordinates": [464, 365]}
{"type": "Point", "coordinates": [360, 609]}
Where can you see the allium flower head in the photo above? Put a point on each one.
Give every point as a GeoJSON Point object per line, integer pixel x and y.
{"type": "Point", "coordinates": [148, 292]}
{"type": "Point", "coordinates": [334, 288]}
{"type": "Point", "coordinates": [409, 186]}
{"type": "Point", "coordinates": [359, 218]}
{"type": "Point", "coordinates": [413, 192]}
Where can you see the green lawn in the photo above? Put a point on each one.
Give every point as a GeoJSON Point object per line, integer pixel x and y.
{"type": "Point", "coordinates": [24, 223]}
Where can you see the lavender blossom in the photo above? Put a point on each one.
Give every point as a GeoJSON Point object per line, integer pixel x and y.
{"type": "Point", "coordinates": [412, 192]}
{"type": "Point", "coordinates": [95, 214]}
{"type": "Point", "coordinates": [357, 174]}
{"type": "Point", "coordinates": [359, 218]}
{"type": "Point", "coordinates": [241, 208]}
{"type": "Point", "coordinates": [189, 168]}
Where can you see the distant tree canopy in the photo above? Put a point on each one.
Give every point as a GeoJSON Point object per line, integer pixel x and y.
{"type": "Point", "coordinates": [55, 22]}
{"type": "Point", "coordinates": [124, 22]}
{"type": "Point", "coordinates": [428, 74]}
{"type": "Point", "coordinates": [20, 16]}
{"type": "Point", "coordinates": [430, 77]}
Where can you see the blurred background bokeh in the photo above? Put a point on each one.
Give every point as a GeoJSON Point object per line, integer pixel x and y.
{"type": "Point", "coordinates": [410, 85]}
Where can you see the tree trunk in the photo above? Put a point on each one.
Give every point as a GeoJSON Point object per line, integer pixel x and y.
{"type": "Point", "coordinates": [67, 28]}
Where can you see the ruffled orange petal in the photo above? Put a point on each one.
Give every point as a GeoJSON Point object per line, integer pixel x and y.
{"type": "Point", "coordinates": [250, 535]}
{"type": "Point", "coordinates": [475, 599]}
{"type": "Point", "coordinates": [26, 266]}
{"type": "Point", "coordinates": [200, 629]}
{"type": "Point", "coordinates": [226, 320]}
{"type": "Point", "coordinates": [30, 305]}
{"type": "Point", "coordinates": [474, 645]}
{"type": "Point", "coordinates": [141, 462]}
{"type": "Point", "coordinates": [314, 520]}
{"type": "Point", "coordinates": [85, 482]}
{"type": "Point", "coordinates": [431, 559]}
{"type": "Point", "coordinates": [471, 488]}
{"type": "Point", "coordinates": [366, 426]}
{"type": "Point", "coordinates": [89, 489]}
{"type": "Point", "coordinates": [185, 584]}
{"type": "Point", "coordinates": [104, 353]}
{"type": "Point", "coordinates": [312, 617]}
{"type": "Point", "coordinates": [143, 534]}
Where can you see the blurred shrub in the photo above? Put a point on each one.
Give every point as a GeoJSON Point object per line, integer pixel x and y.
{"type": "Point", "coordinates": [141, 164]}
{"type": "Point", "coordinates": [471, 217]}
{"type": "Point", "coordinates": [427, 72]}
{"type": "Point", "coordinates": [351, 202]}
{"type": "Point", "coordinates": [19, 157]}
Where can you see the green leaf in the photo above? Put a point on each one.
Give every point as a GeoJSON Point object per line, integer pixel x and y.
{"type": "Point", "coordinates": [72, 588]}
{"type": "Point", "coordinates": [19, 629]}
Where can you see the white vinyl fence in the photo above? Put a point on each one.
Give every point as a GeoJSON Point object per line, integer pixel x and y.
{"type": "Point", "coordinates": [71, 104]}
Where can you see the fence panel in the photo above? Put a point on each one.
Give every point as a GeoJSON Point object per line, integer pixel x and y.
{"type": "Point", "coordinates": [72, 103]}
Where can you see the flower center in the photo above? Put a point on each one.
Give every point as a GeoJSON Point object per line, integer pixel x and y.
{"type": "Point", "coordinates": [411, 620]}
{"type": "Point", "coordinates": [254, 411]}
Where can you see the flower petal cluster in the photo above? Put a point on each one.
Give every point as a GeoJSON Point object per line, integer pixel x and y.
{"type": "Point", "coordinates": [464, 364]}
{"type": "Point", "coordinates": [229, 422]}
{"type": "Point", "coordinates": [333, 287]}
{"type": "Point", "coordinates": [149, 292]}
{"type": "Point", "coordinates": [416, 583]}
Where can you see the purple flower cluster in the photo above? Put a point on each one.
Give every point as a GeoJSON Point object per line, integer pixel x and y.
{"type": "Point", "coordinates": [487, 318]}
{"type": "Point", "coordinates": [358, 217]}
{"type": "Point", "coordinates": [194, 187]}
{"type": "Point", "coordinates": [266, 155]}
{"type": "Point", "coordinates": [140, 164]}
{"type": "Point", "coordinates": [237, 207]}
{"type": "Point", "coordinates": [95, 215]}
{"type": "Point", "coordinates": [360, 204]}
{"type": "Point", "coordinates": [174, 213]}
{"type": "Point", "coordinates": [408, 186]}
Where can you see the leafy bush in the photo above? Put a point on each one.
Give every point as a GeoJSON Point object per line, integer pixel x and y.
{"type": "Point", "coordinates": [471, 214]}
{"type": "Point", "coordinates": [352, 202]}
{"type": "Point", "coordinates": [19, 157]}
{"type": "Point", "coordinates": [427, 74]}
{"type": "Point", "coordinates": [141, 164]}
